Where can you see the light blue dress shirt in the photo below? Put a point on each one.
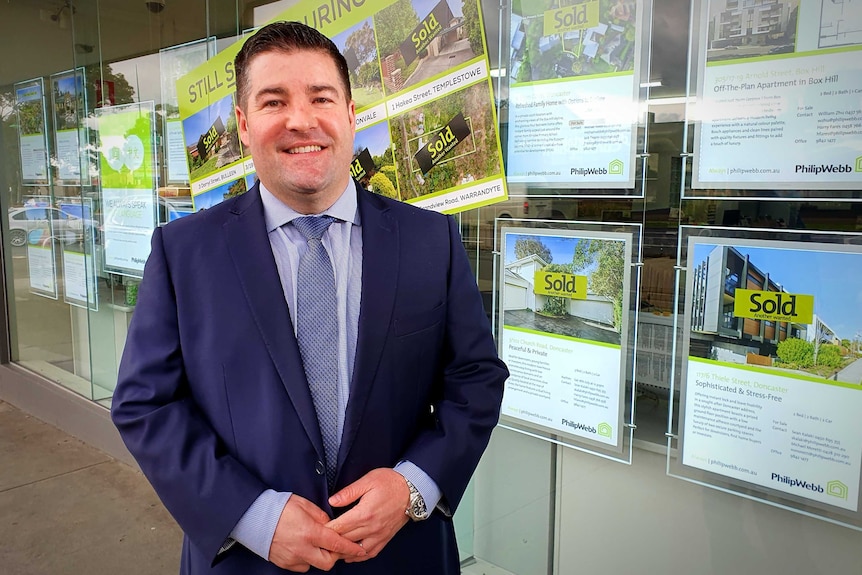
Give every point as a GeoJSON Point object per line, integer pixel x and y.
{"type": "Point", "coordinates": [343, 243]}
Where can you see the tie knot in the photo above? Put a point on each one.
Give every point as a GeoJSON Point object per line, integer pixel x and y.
{"type": "Point", "coordinates": [312, 227]}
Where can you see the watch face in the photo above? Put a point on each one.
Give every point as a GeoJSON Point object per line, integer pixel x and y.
{"type": "Point", "coordinates": [418, 510]}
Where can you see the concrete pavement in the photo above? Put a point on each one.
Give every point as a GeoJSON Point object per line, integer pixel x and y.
{"type": "Point", "coordinates": [67, 508]}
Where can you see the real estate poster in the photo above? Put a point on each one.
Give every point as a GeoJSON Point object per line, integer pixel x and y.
{"type": "Point", "coordinates": [773, 378]}
{"type": "Point", "coordinates": [42, 269]}
{"type": "Point", "coordinates": [37, 221]}
{"type": "Point", "coordinates": [79, 285]}
{"type": "Point", "coordinates": [573, 93]}
{"type": "Point", "coordinates": [426, 125]}
{"type": "Point", "coordinates": [565, 302]}
{"type": "Point", "coordinates": [69, 108]}
{"type": "Point", "coordinates": [216, 162]}
{"type": "Point", "coordinates": [174, 63]}
{"type": "Point", "coordinates": [32, 132]}
{"type": "Point", "coordinates": [128, 185]}
{"type": "Point", "coordinates": [779, 96]}
{"type": "Point", "coordinates": [80, 279]}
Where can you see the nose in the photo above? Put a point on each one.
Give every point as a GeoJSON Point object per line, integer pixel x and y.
{"type": "Point", "coordinates": [301, 117]}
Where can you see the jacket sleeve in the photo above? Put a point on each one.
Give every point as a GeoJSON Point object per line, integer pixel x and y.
{"type": "Point", "coordinates": [203, 487]}
{"type": "Point", "coordinates": [470, 390]}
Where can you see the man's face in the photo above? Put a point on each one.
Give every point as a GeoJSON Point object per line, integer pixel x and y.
{"type": "Point", "coordinates": [299, 127]}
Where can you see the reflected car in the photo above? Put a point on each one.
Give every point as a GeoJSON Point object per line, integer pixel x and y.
{"type": "Point", "coordinates": [787, 49]}
{"type": "Point", "coordinates": [52, 222]}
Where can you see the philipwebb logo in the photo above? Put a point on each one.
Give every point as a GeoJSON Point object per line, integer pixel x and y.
{"type": "Point", "coordinates": [798, 483]}
{"type": "Point", "coordinates": [773, 305]}
{"type": "Point", "coordinates": [825, 168]}
{"type": "Point", "coordinates": [859, 164]}
{"type": "Point", "coordinates": [577, 426]}
{"type": "Point", "coordinates": [605, 429]}
{"type": "Point", "coordinates": [836, 489]}
{"type": "Point", "coordinates": [616, 167]}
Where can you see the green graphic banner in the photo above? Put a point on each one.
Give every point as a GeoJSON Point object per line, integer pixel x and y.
{"type": "Point", "coordinates": [418, 71]}
{"type": "Point", "coordinates": [128, 185]}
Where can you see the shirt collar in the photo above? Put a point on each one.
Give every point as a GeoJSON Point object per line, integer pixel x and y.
{"type": "Point", "coordinates": [276, 213]}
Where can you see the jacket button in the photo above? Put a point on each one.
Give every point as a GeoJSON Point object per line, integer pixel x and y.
{"type": "Point", "coordinates": [320, 468]}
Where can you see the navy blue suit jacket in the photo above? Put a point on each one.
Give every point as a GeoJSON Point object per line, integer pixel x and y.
{"type": "Point", "coordinates": [213, 403]}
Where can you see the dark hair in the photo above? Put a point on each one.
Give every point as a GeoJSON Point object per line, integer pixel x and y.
{"type": "Point", "coordinates": [285, 37]}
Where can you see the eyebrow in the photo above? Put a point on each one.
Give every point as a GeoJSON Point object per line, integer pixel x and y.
{"type": "Point", "coordinates": [310, 90]}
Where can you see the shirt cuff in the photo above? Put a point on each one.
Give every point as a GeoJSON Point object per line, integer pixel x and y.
{"type": "Point", "coordinates": [256, 527]}
{"type": "Point", "coordinates": [426, 486]}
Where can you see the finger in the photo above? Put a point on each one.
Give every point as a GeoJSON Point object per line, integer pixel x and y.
{"type": "Point", "coordinates": [372, 545]}
{"type": "Point", "coordinates": [322, 559]}
{"type": "Point", "coordinates": [357, 559]}
{"type": "Point", "coordinates": [315, 512]}
{"type": "Point", "coordinates": [351, 493]}
{"type": "Point", "coordinates": [356, 534]}
{"type": "Point", "coordinates": [356, 518]}
{"type": "Point", "coordinates": [344, 524]}
{"type": "Point", "coordinates": [329, 540]}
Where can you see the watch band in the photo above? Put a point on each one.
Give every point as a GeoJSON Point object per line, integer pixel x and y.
{"type": "Point", "coordinates": [416, 509]}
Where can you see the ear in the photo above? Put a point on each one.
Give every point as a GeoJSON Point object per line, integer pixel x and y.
{"type": "Point", "coordinates": [242, 125]}
{"type": "Point", "coordinates": [351, 114]}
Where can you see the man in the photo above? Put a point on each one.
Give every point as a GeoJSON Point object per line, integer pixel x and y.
{"type": "Point", "coordinates": [275, 453]}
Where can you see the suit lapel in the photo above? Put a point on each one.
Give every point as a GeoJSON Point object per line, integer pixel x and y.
{"type": "Point", "coordinates": [380, 263]}
{"type": "Point", "coordinates": [251, 253]}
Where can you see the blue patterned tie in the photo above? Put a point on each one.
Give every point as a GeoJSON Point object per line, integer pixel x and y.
{"type": "Point", "coordinates": [317, 332]}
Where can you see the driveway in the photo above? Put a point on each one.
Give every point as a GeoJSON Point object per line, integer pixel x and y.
{"type": "Point", "coordinates": [570, 325]}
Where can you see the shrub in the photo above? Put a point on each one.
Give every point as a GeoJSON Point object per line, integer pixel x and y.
{"type": "Point", "coordinates": [389, 170]}
{"type": "Point", "coordinates": [829, 355]}
{"type": "Point", "coordinates": [555, 306]}
{"type": "Point", "coordinates": [796, 351]}
{"type": "Point", "coordinates": [381, 185]}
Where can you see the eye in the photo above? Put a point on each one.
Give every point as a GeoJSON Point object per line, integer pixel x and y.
{"type": "Point", "coordinates": [322, 100]}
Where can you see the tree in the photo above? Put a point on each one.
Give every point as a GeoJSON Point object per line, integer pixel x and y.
{"type": "Point", "coordinates": [473, 25]}
{"type": "Point", "coordinates": [122, 91]}
{"type": "Point", "coordinates": [394, 23]}
{"type": "Point", "coordinates": [531, 246]}
{"type": "Point", "coordinates": [362, 43]}
{"type": "Point", "coordinates": [232, 135]}
{"type": "Point", "coordinates": [608, 277]}
{"type": "Point", "coordinates": [235, 189]}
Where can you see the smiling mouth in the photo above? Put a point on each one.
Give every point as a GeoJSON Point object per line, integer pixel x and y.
{"type": "Point", "coordinates": [304, 149]}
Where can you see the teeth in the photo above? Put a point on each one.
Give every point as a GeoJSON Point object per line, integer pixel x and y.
{"type": "Point", "coordinates": [304, 150]}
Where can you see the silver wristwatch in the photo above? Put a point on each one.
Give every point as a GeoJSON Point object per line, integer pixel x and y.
{"type": "Point", "coordinates": [416, 509]}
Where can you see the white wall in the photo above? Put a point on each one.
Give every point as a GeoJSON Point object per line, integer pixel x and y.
{"type": "Point", "coordinates": [635, 519]}
{"type": "Point", "coordinates": [617, 519]}
{"type": "Point", "coordinates": [513, 502]}
{"type": "Point", "coordinates": [594, 308]}
{"type": "Point", "coordinates": [515, 297]}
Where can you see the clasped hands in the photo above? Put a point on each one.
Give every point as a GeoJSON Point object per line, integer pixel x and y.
{"type": "Point", "coordinates": [305, 537]}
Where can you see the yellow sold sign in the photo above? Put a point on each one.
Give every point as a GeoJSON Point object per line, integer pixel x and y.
{"type": "Point", "coordinates": [774, 306]}
{"type": "Point", "coordinates": [575, 17]}
{"type": "Point", "coordinates": [560, 285]}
